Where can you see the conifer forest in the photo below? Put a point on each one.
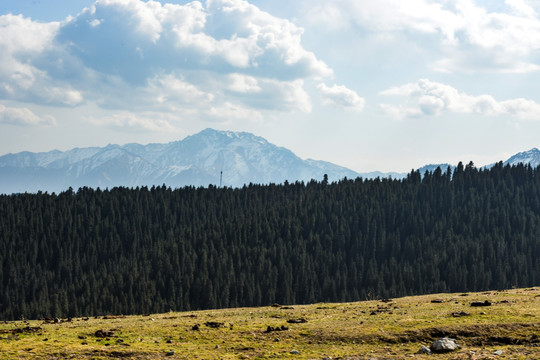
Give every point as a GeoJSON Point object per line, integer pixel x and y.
{"type": "Point", "coordinates": [144, 250]}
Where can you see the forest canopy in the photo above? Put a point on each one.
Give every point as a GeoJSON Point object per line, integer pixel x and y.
{"type": "Point", "coordinates": [144, 250]}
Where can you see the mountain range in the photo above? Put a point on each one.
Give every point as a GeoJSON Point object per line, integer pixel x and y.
{"type": "Point", "coordinates": [209, 157]}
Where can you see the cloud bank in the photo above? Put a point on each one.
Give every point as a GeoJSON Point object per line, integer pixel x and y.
{"type": "Point", "coordinates": [469, 36]}
{"type": "Point", "coordinates": [134, 54]}
{"type": "Point", "coordinates": [428, 98]}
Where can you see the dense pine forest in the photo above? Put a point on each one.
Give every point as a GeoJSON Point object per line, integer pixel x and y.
{"type": "Point", "coordinates": [144, 250]}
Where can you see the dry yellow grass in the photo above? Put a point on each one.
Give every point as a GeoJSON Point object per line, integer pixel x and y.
{"type": "Point", "coordinates": [393, 329]}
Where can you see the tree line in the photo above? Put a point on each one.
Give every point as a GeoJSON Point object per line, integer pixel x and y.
{"type": "Point", "coordinates": [147, 250]}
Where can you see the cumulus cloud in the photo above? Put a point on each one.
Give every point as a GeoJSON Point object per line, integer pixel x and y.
{"type": "Point", "coordinates": [520, 7]}
{"type": "Point", "coordinates": [471, 37]}
{"type": "Point", "coordinates": [24, 117]}
{"type": "Point", "coordinates": [522, 108]}
{"type": "Point", "coordinates": [340, 96]}
{"type": "Point", "coordinates": [429, 98]}
{"type": "Point", "coordinates": [149, 55]}
{"type": "Point", "coordinates": [225, 36]}
{"type": "Point", "coordinates": [243, 84]}
{"type": "Point", "coordinates": [23, 42]}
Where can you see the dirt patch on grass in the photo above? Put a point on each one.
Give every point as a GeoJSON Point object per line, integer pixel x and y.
{"type": "Point", "coordinates": [214, 324]}
{"type": "Point", "coordinates": [23, 330]}
{"type": "Point", "coordinates": [112, 317]}
{"type": "Point", "coordinates": [105, 333]}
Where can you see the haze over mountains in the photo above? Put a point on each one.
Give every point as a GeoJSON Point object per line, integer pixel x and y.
{"type": "Point", "coordinates": [197, 160]}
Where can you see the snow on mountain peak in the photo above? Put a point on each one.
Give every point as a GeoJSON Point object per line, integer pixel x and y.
{"type": "Point", "coordinates": [531, 157]}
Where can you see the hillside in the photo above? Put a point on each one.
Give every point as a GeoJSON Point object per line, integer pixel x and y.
{"type": "Point", "coordinates": [134, 251]}
{"type": "Point", "coordinates": [379, 329]}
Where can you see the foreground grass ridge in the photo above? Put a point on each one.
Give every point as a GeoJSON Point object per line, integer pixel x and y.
{"type": "Point", "coordinates": [509, 328]}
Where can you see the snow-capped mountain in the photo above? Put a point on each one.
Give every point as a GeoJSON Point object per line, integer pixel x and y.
{"type": "Point", "coordinates": [197, 160]}
{"type": "Point", "coordinates": [531, 157]}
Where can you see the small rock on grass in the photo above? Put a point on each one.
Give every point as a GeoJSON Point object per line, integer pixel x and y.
{"type": "Point", "coordinates": [498, 352]}
{"type": "Point", "coordinates": [170, 353]}
{"type": "Point", "coordinates": [444, 345]}
{"type": "Point", "coordinates": [297, 321]}
{"type": "Point", "coordinates": [460, 314]}
{"type": "Point", "coordinates": [295, 352]}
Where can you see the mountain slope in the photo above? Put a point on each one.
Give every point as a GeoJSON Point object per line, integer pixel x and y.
{"type": "Point", "coordinates": [197, 160]}
{"type": "Point", "coordinates": [531, 157]}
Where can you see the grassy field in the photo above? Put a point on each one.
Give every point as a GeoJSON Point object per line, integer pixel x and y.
{"type": "Point", "coordinates": [380, 329]}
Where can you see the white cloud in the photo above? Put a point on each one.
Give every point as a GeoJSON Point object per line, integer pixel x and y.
{"type": "Point", "coordinates": [520, 7]}
{"type": "Point", "coordinates": [141, 15]}
{"type": "Point", "coordinates": [94, 23]}
{"type": "Point", "coordinates": [243, 84]}
{"type": "Point", "coordinates": [522, 108]}
{"type": "Point", "coordinates": [23, 117]}
{"type": "Point", "coordinates": [340, 96]}
{"type": "Point", "coordinates": [226, 36]}
{"type": "Point", "coordinates": [23, 36]}
{"type": "Point", "coordinates": [471, 37]}
{"type": "Point", "coordinates": [148, 55]}
{"type": "Point", "coordinates": [62, 96]}
{"type": "Point", "coordinates": [24, 41]}
{"type": "Point", "coordinates": [428, 98]}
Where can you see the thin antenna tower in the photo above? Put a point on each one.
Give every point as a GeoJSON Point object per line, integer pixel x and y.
{"type": "Point", "coordinates": [220, 177]}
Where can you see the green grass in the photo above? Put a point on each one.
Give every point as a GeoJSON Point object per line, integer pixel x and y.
{"type": "Point", "coordinates": [359, 330]}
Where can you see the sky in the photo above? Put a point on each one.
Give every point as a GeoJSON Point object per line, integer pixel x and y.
{"type": "Point", "coordinates": [382, 85]}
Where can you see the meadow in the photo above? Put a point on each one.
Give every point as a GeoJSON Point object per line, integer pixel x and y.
{"type": "Point", "coordinates": [509, 328]}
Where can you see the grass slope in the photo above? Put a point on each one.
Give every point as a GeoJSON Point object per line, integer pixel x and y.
{"type": "Point", "coordinates": [381, 329]}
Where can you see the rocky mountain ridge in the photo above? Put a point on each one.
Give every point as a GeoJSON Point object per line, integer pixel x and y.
{"type": "Point", "coordinates": [210, 157]}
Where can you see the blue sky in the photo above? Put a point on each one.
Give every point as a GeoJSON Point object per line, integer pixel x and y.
{"type": "Point", "coordinates": [386, 85]}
